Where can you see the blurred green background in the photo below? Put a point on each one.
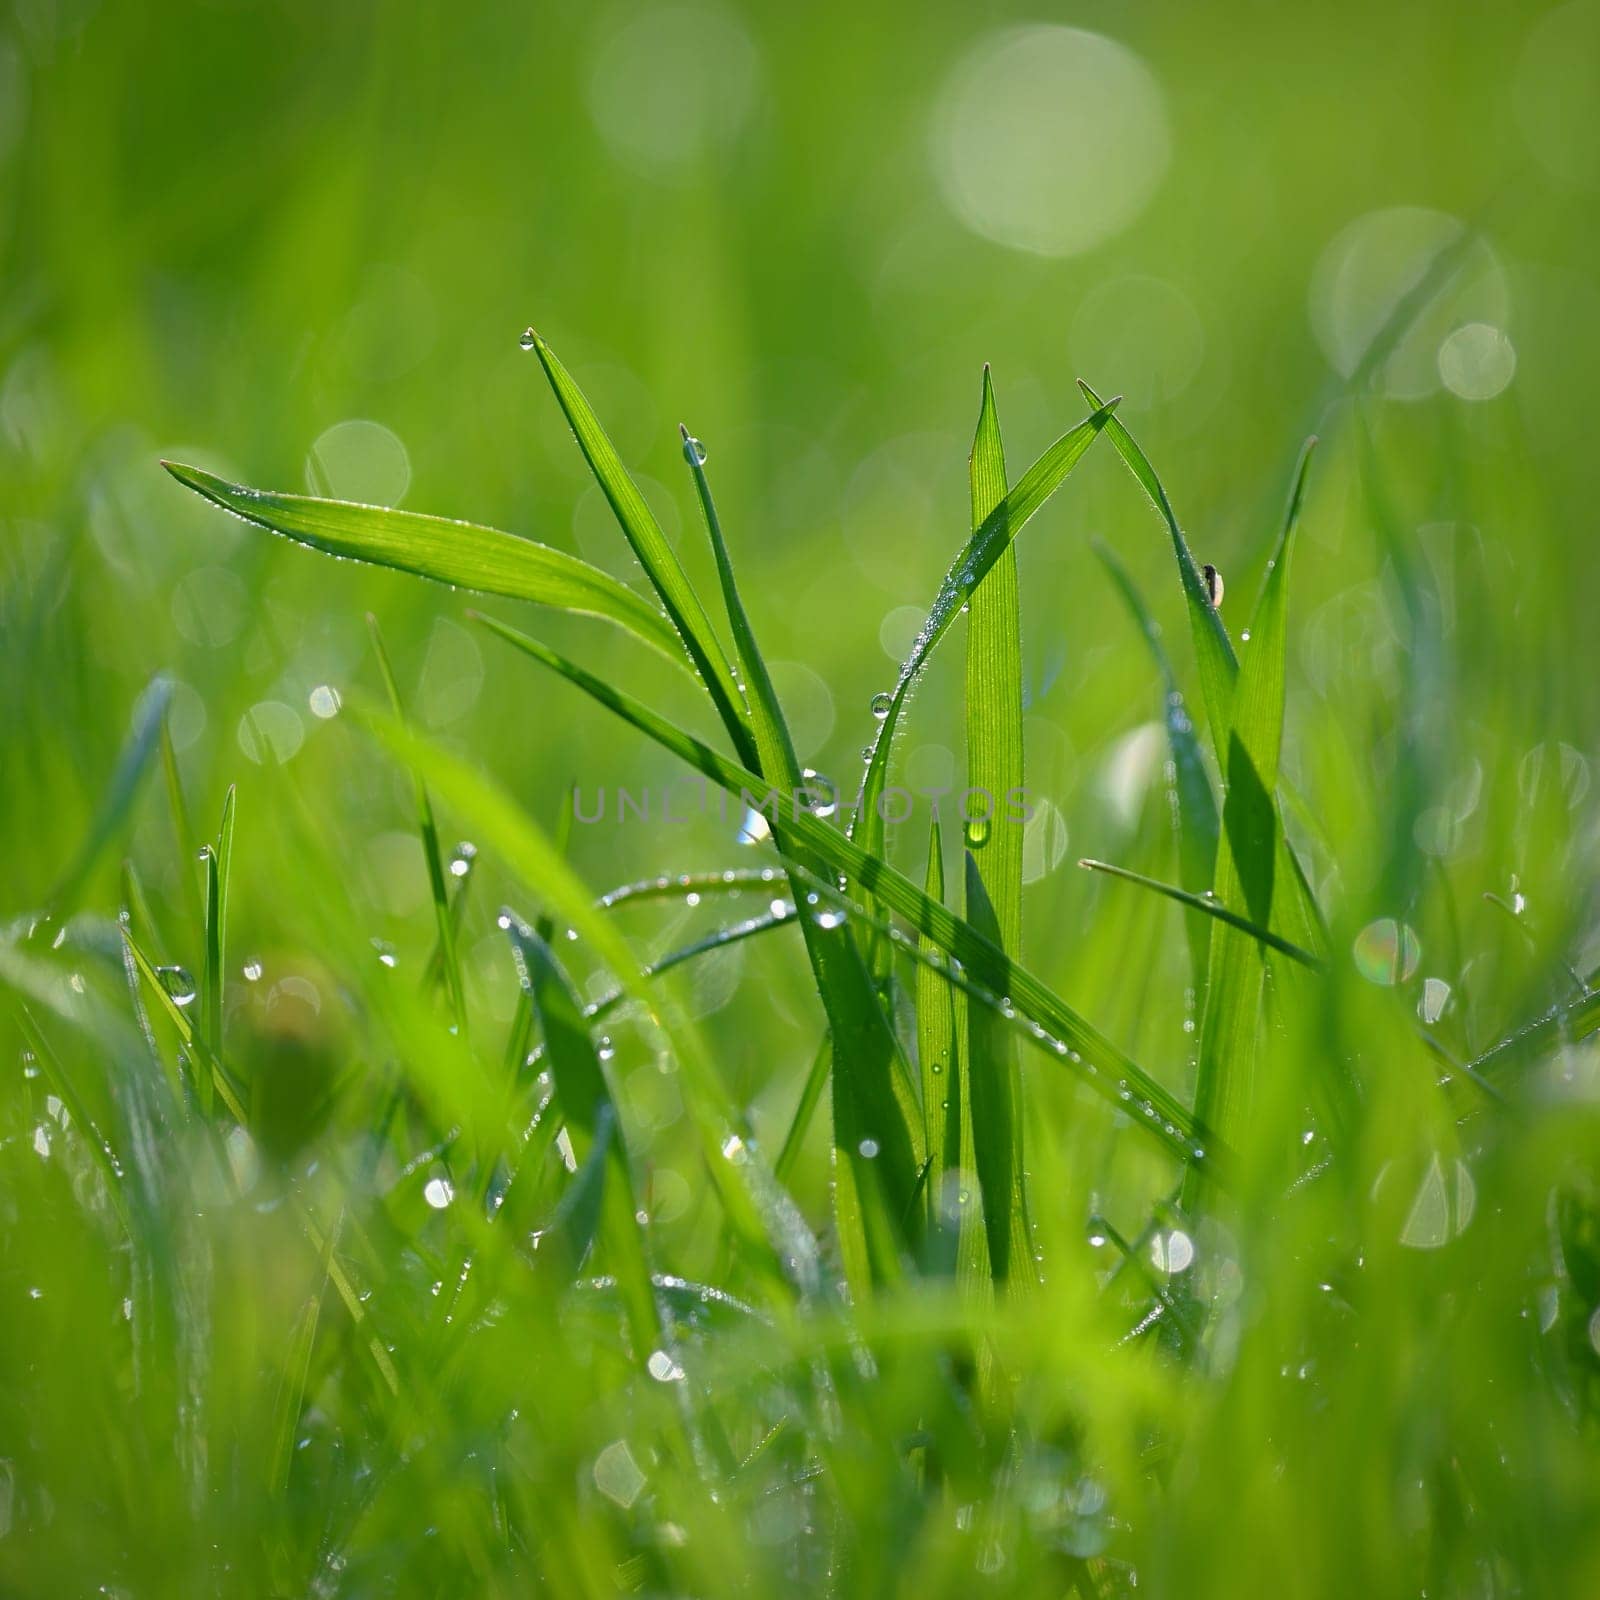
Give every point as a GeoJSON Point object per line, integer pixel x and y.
{"type": "Point", "coordinates": [296, 244]}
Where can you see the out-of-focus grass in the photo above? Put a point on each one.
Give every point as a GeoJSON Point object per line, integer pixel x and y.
{"type": "Point", "coordinates": [298, 247]}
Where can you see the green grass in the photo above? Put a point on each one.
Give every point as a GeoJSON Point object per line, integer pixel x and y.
{"type": "Point", "coordinates": [370, 1290]}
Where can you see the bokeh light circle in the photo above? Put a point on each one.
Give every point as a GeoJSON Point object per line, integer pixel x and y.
{"type": "Point", "coordinates": [1371, 266]}
{"type": "Point", "coordinates": [1049, 139]}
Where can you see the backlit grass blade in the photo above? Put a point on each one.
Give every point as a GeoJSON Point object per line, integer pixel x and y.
{"type": "Point", "coordinates": [116, 804]}
{"type": "Point", "coordinates": [584, 1098]}
{"type": "Point", "coordinates": [980, 553]}
{"type": "Point", "coordinates": [873, 1108]}
{"type": "Point", "coordinates": [945, 1112]}
{"type": "Point", "coordinates": [1071, 1039]}
{"type": "Point", "coordinates": [1197, 805]}
{"type": "Point", "coordinates": [649, 544]}
{"type": "Point", "coordinates": [1208, 905]}
{"type": "Point", "coordinates": [692, 887]}
{"type": "Point", "coordinates": [994, 854]}
{"type": "Point", "coordinates": [444, 918]}
{"type": "Point", "coordinates": [461, 554]}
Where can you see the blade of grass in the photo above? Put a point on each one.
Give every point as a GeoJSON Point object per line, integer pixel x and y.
{"type": "Point", "coordinates": [428, 829]}
{"type": "Point", "coordinates": [946, 1114]}
{"type": "Point", "coordinates": [994, 855]}
{"type": "Point", "coordinates": [116, 805]}
{"type": "Point", "coordinates": [1099, 1063]}
{"type": "Point", "coordinates": [643, 533]}
{"type": "Point", "coordinates": [741, 1180]}
{"type": "Point", "coordinates": [1196, 804]}
{"type": "Point", "coordinates": [1300, 921]}
{"type": "Point", "coordinates": [461, 554]}
{"type": "Point", "coordinates": [585, 1101]}
{"type": "Point", "coordinates": [980, 553]}
{"type": "Point", "coordinates": [218, 860]}
{"type": "Point", "coordinates": [1209, 906]}
{"type": "Point", "coordinates": [874, 1108]}
{"type": "Point", "coordinates": [1247, 856]}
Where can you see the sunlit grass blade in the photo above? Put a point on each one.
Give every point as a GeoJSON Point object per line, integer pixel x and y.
{"type": "Point", "coordinates": [1081, 1047]}
{"type": "Point", "coordinates": [649, 544]}
{"type": "Point", "coordinates": [1198, 824]}
{"type": "Point", "coordinates": [994, 851]}
{"type": "Point", "coordinates": [461, 554]}
{"type": "Point", "coordinates": [1003, 524]}
{"type": "Point", "coordinates": [1207, 905]}
{"type": "Point", "coordinates": [946, 1111]}
{"type": "Point", "coordinates": [873, 1106]}
{"type": "Point", "coordinates": [587, 1105]}
{"type": "Point", "coordinates": [218, 863]}
{"type": "Point", "coordinates": [1562, 1024]}
{"type": "Point", "coordinates": [692, 887]}
{"type": "Point", "coordinates": [427, 828]}
{"type": "Point", "coordinates": [116, 805]}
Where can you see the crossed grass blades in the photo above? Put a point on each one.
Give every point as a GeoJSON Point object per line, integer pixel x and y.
{"type": "Point", "coordinates": [771, 1381]}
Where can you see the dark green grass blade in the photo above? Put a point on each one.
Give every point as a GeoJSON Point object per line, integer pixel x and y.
{"type": "Point", "coordinates": [1198, 824]}
{"type": "Point", "coordinates": [116, 805]}
{"type": "Point", "coordinates": [1208, 905]}
{"type": "Point", "coordinates": [585, 1100]}
{"type": "Point", "coordinates": [649, 544]}
{"type": "Point", "coordinates": [1100, 1064]}
{"type": "Point", "coordinates": [873, 1107]}
{"type": "Point", "coordinates": [218, 861]}
{"type": "Point", "coordinates": [427, 828]}
{"type": "Point", "coordinates": [460, 554]}
{"type": "Point", "coordinates": [992, 1071]}
{"type": "Point", "coordinates": [982, 550]}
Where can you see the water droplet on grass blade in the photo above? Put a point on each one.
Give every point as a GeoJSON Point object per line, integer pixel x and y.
{"type": "Point", "coordinates": [178, 984]}
{"type": "Point", "coordinates": [694, 452]}
{"type": "Point", "coordinates": [881, 702]}
{"type": "Point", "coordinates": [529, 339]}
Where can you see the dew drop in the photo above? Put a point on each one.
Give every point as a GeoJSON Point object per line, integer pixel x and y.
{"type": "Point", "coordinates": [693, 451]}
{"type": "Point", "coordinates": [252, 971]}
{"type": "Point", "coordinates": [881, 703]}
{"type": "Point", "coordinates": [462, 858]}
{"type": "Point", "coordinates": [977, 832]}
{"type": "Point", "coordinates": [178, 984]}
{"type": "Point", "coordinates": [529, 339]}
{"type": "Point", "coordinates": [868, 1148]}
{"type": "Point", "coordinates": [438, 1192]}
{"type": "Point", "coordinates": [385, 951]}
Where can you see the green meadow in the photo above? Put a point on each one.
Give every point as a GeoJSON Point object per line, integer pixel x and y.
{"type": "Point", "coordinates": [799, 802]}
